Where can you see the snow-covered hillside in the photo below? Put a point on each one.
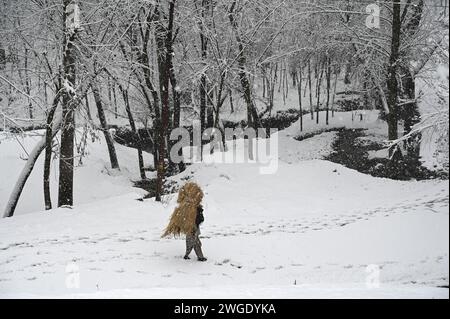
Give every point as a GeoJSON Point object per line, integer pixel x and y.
{"type": "Point", "coordinates": [94, 179]}
{"type": "Point", "coordinates": [313, 229]}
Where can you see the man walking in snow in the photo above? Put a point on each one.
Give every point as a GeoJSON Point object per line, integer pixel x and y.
{"type": "Point", "coordinates": [193, 239]}
{"type": "Point", "coordinates": [187, 218]}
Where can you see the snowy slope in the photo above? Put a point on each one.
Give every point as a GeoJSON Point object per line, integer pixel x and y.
{"type": "Point", "coordinates": [93, 180]}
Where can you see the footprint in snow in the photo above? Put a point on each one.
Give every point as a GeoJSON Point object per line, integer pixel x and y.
{"type": "Point", "coordinates": [348, 267]}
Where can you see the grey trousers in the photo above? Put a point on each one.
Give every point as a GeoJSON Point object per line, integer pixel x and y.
{"type": "Point", "coordinates": [193, 242]}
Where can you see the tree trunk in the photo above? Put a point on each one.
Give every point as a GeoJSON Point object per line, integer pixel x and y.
{"type": "Point", "coordinates": [299, 88]}
{"type": "Point", "coordinates": [48, 153]}
{"type": "Point", "coordinates": [230, 92]}
{"type": "Point", "coordinates": [135, 131]}
{"type": "Point", "coordinates": [411, 114]}
{"type": "Point", "coordinates": [410, 111]}
{"type": "Point", "coordinates": [392, 83]}
{"type": "Point", "coordinates": [328, 91]}
{"type": "Point", "coordinates": [176, 98]}
{"type": "Point", "coordinates": [334, 93]}
{"type": "Point", "coordinates": [164, 39]}
{"type": "Point", "coordinates": [66, 162]}
{"type": "Point", "coordinates": [204, 56]}
{"type": "Point", "coordinates": [319, 83]}
{"type": "Point", "coordinates": [104, 125]}
{"type": "Point", "coordinates": [28, 86]}
{"type": "Point", "coordinates": [176, 120]}
{"type": "Point", "coordinates": [310, 91]}
{"type": "Point", "coordinates": [88, 108]}
{"type": "Point", "coordinates": [264, 81]}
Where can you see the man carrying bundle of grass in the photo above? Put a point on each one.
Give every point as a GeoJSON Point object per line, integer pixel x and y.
{"type": "Point", "coordinates": [186, 219]}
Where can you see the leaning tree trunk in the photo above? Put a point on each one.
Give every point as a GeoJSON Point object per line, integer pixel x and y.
{"type": "Point", "coordinates": [104, 125]}
{"type": "Point", "coordinates": [134, 130]}
{"type": "Point", "coordinates": [88, 108]}
{"type": "Point", "coordinates": [26, 171]}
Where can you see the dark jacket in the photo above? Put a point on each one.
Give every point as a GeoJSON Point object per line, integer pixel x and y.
{"type": "Point", "coordinates": [200, 218]}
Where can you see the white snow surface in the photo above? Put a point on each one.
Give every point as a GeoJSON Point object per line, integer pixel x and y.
{"type": "Point", "coordinates": [314, 229]}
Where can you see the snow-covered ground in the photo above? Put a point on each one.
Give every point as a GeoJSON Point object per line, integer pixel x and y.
{"type": "Point", "coordinates": [313, 229]}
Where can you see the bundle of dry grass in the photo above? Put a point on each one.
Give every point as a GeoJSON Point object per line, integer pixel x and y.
{"type": "Point", "coordinates": [183, 218]}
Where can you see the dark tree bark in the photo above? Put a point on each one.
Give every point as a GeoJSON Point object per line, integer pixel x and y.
{"type": "Point", "coordinates": [48, 153]}
{"type": "Point", "coordinates": [164, 40]}
{"type": "Point", "coordinates": [66, 162]}
{"type": "Point", "coordinates": [204, 55]}
{"type": "Point", "coordinates": [299, 89]}
{"type": "Point", "coordinates": [264, 74]}
{"type": "Point", "coordinates": [392, 83]}
{"type": "Point", "coordinates": [104, 126]}
{"type": "Point", "coordinates": [28, 85]}
{"type": "Point", "coordinates": [88, 108]}
{"type": "Point", "coordinates": [310, 90]}
{"type": "Point", "coordinates": [116, 109]}
{"type": "Point", "coordinates": [411, 115]}
{"type": "Point", "coordinates": [410, 111]}
{"type": "Point", "coordinates": [334, 93]}
{"type": "Point", "coordinates": [176, 98]}
{"type": "Point", "coordinates": [230, 93]}
{"type": "Point", "coordinates": [318, 86]}
{"type": "Point", "coordinates": [2, 57]}
{"type": "Point", "coordinates": [327, 107]}
{"type": "Point", "coordinates": [347, 79]}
